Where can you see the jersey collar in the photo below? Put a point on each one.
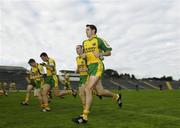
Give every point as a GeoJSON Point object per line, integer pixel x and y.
{"type": "Point", "coordinates": [94, 36]}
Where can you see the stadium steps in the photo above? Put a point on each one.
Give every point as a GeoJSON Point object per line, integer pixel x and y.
{"type": "Point", "coordinates": [157, 84]}
{"type": "Point", "coordinates": [110, 85]}
{"type": "Point", "coordinates": [118, 84]}
{"type": "Point", "coordinates": [146, 86]}
{"type": "Point", "coordinates": [175, 84]}
{"type": "Point", "coordinates": [124, 84]}
{"type": "Point", "coordinates": [134, 83]}
{"type": "Point", "coordinates": [169, 85]}
{"type": "Point", "coordinates": [150, 84]}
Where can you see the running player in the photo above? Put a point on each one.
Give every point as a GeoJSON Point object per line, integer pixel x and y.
{"type": "Point", "coordinates": [66, 82]}
{"type": "Point", "coordinates": [51, 81]}
{"type": "Point", "coordinates": [94, 49]}
{"type": "Point", "coordinates": [35, 80]}
{"type": "Point", "coordinates": [83, 71]}
{"type": "Point", "coordinates": [2, 90]}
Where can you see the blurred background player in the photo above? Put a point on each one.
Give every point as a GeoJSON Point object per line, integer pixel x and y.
{"type": "Point", "coordinates": [3, 91]}
{"type": "Point", "coordinates": [51, 81]}
{"type": "Point", "coordinates": [12, 86]}
{"type": "Point", "coordinates": [66, 82]}
{"type": "Point", "coordinates": [67, 86]}
{"type": "Point", "coordinates": [83, 72]}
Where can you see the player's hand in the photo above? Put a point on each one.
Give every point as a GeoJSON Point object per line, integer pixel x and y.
{"type": "Point", "coordinates": [43, 64]}
{"type": "Point", "coordinates": [83, 55]}
{"type": "Point", "coordinates": [33, 77]}
{"type": "Point", "coordinates": [80, 70]}
{"type": "Point", "coordinates": [83, 70]}
{"type": "Point", "coordinates": [44, 75]}
{"type": "Point", "coordinates": [97, 55]}
{"type": "Point", "coordinates": [77, 71]}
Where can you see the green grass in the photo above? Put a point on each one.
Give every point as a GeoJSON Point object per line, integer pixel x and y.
{"type": "Point", "coordinates": [143, 109]}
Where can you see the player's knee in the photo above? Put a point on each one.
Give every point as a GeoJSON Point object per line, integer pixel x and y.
{"type": "Point", "coordinates": [87, 89]}
{"type": "Point", "coordinates": [39, 96]}
{"type": "Point", "coordinates": [44, 92]}
{"type": "Point", "coordinates": [56, 94]}
{"type": "Point", "coordinates": [81, 93]}
{"type": "Point", "coordinates": [100, 91]}
{"type": "Point", "coordinates": [29, 88]}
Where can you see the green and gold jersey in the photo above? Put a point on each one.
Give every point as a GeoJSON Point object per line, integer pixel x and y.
{"type": "Point", "coordinates": [66, 78]}
{"type": "Point", "coordinates": [36, 71]}
{"type": "Point", "coordinates": [81, 64]}
{"type": "Point", "coordinates": [97, 45]}
{"type": "Point", "coordinates": [51, 63]}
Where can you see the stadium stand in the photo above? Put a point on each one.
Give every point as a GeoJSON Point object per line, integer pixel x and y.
{"type": "Point", "coordinates": [14, 76]}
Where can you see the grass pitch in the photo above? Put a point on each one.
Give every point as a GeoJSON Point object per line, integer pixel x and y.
{"type": "Point", "coordinates": [143, 109]}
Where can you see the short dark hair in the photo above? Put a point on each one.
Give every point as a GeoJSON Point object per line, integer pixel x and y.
{"type": "Point", "coordinates": [31, 61]}
{"type": "Point", "coordinates": [80, 46]}
{"type": "Point", "coordinates": [93, 27]}
{"type": "Point", "coordinates": [43, 54]}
